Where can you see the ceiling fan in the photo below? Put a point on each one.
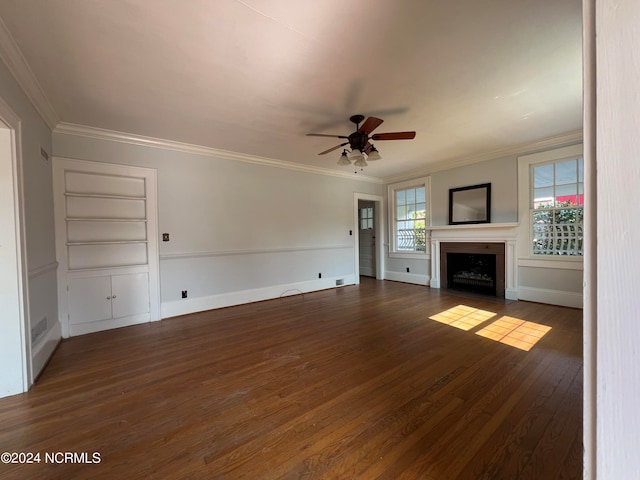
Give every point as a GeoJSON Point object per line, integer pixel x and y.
{"type": "Point", "coordinates": [359, 142]}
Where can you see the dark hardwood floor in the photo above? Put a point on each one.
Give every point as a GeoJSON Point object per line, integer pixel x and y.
{"type": "Point", "coordinates": [352, 383]}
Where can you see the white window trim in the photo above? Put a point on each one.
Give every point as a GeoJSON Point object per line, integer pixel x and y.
{"type": "Point", "coordinates": [391, 204]}
{"type": "Point", "coordinates": [526, 258]}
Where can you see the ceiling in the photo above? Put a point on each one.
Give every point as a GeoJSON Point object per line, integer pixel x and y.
{"type": "Point", "coordinates": [254, 76]}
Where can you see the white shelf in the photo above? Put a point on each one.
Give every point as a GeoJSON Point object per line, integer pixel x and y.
{"type": "Point", "coordinates": [100, 195]}
{"type": "Point", "coordinates": [110, 242]}
{"type": "Point", "coordinates": [87, 219]}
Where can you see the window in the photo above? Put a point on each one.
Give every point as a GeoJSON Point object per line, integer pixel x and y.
{"type": "Point", "coordinates": [366, 218]}
{"type": "Point", "coordinates": [409, 214]}
{"type": "Point", "coordinates": [551, 185]}
{"type": "Point", "coordinates": [557, 207]}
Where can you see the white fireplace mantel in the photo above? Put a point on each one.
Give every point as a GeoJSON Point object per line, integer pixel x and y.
{"type": "Point", "coordinates": [478, 232]}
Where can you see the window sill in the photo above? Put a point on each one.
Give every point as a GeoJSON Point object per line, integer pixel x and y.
{"type": "Point", "coordinates": [575, 263]}
{"type": "Point", "coordinates": [413, 255]}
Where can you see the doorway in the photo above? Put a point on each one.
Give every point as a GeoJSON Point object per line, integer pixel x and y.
{"type": "Point", "coordinates": [368, 244]}
{"type": "Point", "coordinates": [15, 352]}
{"type": "Point", "coordinates": [367, 237]}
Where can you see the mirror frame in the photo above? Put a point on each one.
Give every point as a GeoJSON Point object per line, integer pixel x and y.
{"type": "Point", "coordinates": [487, 212]}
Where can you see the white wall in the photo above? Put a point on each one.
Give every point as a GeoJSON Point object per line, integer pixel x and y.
{"type": "Point", "coordinates": [239, 231]}
{"type": "Point", "coordinates": [501, 173]}
{"type": "Point", "coordinates": [503, 176]}
{"type": "Point", "coordinates": [618, 226]}
{"type": "Point", "coordinates": [565, 287]}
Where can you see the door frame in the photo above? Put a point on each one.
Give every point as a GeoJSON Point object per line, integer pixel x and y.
{"type": "Point", "coordinates": [60, 165]}
{"type": "Point", "coordinates": [18, 369]}
{"type": "Point", "coordinates": [379, 224]}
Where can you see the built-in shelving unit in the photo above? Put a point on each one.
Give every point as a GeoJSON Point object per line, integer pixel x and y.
{"type": "Point", "coordinates": [105, 223]}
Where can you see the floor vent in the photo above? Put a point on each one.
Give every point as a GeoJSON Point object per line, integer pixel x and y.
{"type": "Point", "coordinates": [339, 282]}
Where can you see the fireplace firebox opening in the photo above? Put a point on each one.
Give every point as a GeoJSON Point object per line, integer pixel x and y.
{"type": "Point", "coordinates": [475, 267]}
{"type": "Point", "coordinates": [472, 272]}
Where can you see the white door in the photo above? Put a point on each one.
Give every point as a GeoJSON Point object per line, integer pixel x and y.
{"type": "Point", "coordinates": [106, 232]}
{"type": "Point", "coordinates": [367, 238]}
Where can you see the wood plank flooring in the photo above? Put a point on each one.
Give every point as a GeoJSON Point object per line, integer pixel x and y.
{"type": "Point", "coordinates": [351, 383]}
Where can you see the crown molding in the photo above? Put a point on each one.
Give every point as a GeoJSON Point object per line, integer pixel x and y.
{"type": "Point", "coordinates": [16, 63]}
{"type": "Point", "coordinates": [140, 140]}
{"type": "Point", "coordinates": [564, 139]}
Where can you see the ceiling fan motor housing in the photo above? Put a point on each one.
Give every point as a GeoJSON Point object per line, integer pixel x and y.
{"type": "Point", "coordinates": [358, 141]}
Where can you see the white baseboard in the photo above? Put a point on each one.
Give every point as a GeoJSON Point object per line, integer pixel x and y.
{"type": "Point", "coordinates": [511, 294]}
{"type": "Point", "coordinates": [407, 277]}
{"type": "Point", "coordinates": [199, 304]}
{"type": "Point", "coordinates": [44, 348]}
{"type": "Point", "coordinates": [553, 297]}
{"type": "Point", "coordinates": [91, 327]}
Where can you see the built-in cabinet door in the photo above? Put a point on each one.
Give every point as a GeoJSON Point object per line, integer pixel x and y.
{"type": "Point", "coordinates": [130, 294]}
{"type": "Point", "coordinates": [89, 299]}
{"type": "Point", "coordinates": [92, 299]}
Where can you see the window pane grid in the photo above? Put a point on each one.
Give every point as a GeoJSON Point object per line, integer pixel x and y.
{"type": "Point", "coordinates": [556, 215]}
{"type": "Point", "coordinates": [410, 219]}
{"type": "Point", "coordinates": [366, 218]}
{"type": "Point", "coordinates": [560, 232]}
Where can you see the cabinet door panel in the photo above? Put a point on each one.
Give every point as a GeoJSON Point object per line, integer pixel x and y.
{"type": "Point", "coordinates": [130, 294]}
{"type": "Point", "coordinates": [89, 299]}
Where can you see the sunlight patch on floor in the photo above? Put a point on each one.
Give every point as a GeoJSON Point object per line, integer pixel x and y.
{"type": "Point", "coordinates": [463, 317]}
{"type": "Point", "coordinates": [515, 332]}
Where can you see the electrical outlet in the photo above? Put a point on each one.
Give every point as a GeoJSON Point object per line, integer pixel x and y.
{"type": "Point", "coordinates": [184, 294]}
{"type": "Point", "coordinates": [407, 269]}
{"type": "Point", "coordinates": [319, 275]}
{"type": "Point", "coordinates": [165, 237]}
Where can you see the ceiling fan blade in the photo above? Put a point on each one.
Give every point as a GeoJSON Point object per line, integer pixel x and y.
{"type": "Point", "coordinates": [325, 135]}
{"type": "Point", "coordinates": [333, 148]}
{"type": "Point", "coordinates": [394, 136]}
{"type": "Point", "coordinates": [370, 124]}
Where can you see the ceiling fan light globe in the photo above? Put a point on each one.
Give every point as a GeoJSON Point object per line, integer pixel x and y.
{"type": "Point", "coordinates": [356, 155]}
{"type": "Point", "coordinates": [344, 159]}
{"type": "Point", "coordinates": [361, 162]}
{"type": "Point", "coordinates": [374, 155]}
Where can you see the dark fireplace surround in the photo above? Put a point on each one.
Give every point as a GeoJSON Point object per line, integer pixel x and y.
{"type": "Point", "coordinates": [473, 276]}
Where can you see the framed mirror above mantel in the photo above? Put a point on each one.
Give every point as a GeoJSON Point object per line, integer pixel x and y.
{"type": "Point", "coordinates": [470, 205]}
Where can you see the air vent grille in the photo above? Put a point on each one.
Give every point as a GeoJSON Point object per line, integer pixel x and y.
{"type": "Point", "coordinates": [38, 330]}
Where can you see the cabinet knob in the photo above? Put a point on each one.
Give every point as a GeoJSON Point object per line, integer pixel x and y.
{"type": "Point", "coordinates": [108, 298]}
{"type": "Point", "coordinates": [113, 296]}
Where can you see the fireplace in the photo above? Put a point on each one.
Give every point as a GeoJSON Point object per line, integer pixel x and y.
{"type": "Point", "coordinates": [472, 272]}
{"type": "Point", "coordinates": [474, 267]}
